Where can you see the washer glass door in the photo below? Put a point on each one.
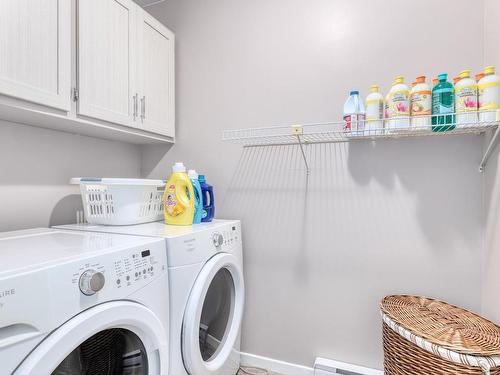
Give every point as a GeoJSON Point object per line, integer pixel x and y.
{"type": "Point", "coordinates": [111, 351]}
{"type": "Point", "coordinates": [213, 317]}
{"type": "Point", "coordinates": [113, 338]}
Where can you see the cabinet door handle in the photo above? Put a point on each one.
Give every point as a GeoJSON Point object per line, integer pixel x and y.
{"type": "Point", "coordinates": [135, 106]}
{"type": "Point", "coordinates": [143, 107]}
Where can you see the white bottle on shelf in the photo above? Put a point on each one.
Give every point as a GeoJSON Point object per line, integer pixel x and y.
{"type": "Point", "coordinates": [354, 115]}
{"type": "Point", "coordinates": [466, 100]}
{"type": "Point", "coordinates": [374, 112]}
{"type": "Point", "coordinates": [421, 105]}
{"type": "Point", "coordinates": [397, 107]}
{"type": "Point", "coordinates": [489, 95]}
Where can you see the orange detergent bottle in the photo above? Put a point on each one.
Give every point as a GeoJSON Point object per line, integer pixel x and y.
{"type": "Point", "coordinates": [178, 201]}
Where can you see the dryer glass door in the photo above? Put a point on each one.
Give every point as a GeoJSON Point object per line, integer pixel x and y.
{"type": "Point", "coordinates": [216, 314]}
{"type": "Point", "coordinates": [213, 317]}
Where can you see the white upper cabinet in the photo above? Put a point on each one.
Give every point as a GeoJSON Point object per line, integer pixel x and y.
{"type": "Point", "coordinates": [35, 51]}
{"type": "Point", "coordinates": [125, 66]}
{"type": "Point", "coordinates": [107, 56]}
{"type": "Point", "coordinates": [156, 75]}
{"type": "Point", "coordinates": [103, 68]}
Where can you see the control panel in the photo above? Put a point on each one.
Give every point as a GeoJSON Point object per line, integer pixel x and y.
{"type": "Point", "coordinates": [134, 269]}
{"type": "Point", "coordinates": [121, 272]}
{"type": "Point", "coordinates": [226, 237]}
{"type": "Point", "coordinates": [203, 242]}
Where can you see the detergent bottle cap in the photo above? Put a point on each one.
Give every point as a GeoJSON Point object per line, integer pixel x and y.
{"type": "Point", "coordinates": [489, 70]}
{"type": "Point", "coordinates": [201, 178]}
{"type": "Point", "coordinates": [374, 88]}
{"type": "Point", "coordinates": [465, 74]}
{"type": "Point", "coordinates": [354, 92]}
{"type": "Point", "coordinates": [399, 79]}
{"type": "Point", "coordinates": [192, 174]}
{"type": "Point", "coordinates": [420, 79]}
{"type": "Point", "coordinates": [178, 167]}
{"type": "Point", "coordinates": [442, 77]}
{"type": "Point", "coordinates": [479, 76]}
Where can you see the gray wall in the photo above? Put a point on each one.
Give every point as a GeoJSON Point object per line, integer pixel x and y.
{"type": "Point", "coordinates": [36, 166]}
{"type": "Point", "coordinates": [373, 219]}
{"type": "Point", "coordinates": [491, 261]}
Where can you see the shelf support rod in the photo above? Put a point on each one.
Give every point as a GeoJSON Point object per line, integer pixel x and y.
{"type": "Point", "coordinates": [301, 145]}
{"type": "Point", "coordinates": [298, 130]}
{"type": "Point", "coordinates": [491, 145]}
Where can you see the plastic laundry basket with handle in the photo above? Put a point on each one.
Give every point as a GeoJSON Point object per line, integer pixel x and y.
{"type": "Point", "coordinates": [121, 201]}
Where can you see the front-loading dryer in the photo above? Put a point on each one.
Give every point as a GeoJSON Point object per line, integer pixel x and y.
{"type": "Point", "coordinates": [206, 292]}
{"type": "Point", "coordinates": [82, 303]}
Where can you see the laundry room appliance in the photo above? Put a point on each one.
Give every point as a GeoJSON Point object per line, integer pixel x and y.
{"type": "Point", "coordinates": [82, 303]}
{"type": "Point", "coordinates": [206, 292]}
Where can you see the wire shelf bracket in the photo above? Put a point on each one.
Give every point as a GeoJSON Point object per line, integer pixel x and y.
{"type": "Point", "coordinates": [491, 145]}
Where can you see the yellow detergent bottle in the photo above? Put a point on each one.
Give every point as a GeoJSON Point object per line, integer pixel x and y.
{"type": "Point", "coordinates": [178, 201]}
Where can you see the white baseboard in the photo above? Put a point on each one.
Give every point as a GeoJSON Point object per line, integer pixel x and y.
{"type": "Point", "coordinates": [329, 366]}
{"type": "Point", "coordinates": [281, 367]}
{"type": "Point", "coordinates": [322, 366]}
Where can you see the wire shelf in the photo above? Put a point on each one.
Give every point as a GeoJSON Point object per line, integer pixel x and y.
{"type": "Point", "coordinates": [334, 132]}
{"type": "Point", "coordinates": [394, 128]}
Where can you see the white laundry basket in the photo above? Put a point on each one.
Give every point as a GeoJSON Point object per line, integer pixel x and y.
{"type": "Point", "coordinates": [121, 201]}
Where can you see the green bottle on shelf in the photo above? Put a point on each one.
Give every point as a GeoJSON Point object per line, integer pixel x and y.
{"type": "Point", "coordinates": [443, 102]}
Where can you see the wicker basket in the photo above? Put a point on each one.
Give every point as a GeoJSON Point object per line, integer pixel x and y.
{"type": "Point", "coordinates": [426, 336]}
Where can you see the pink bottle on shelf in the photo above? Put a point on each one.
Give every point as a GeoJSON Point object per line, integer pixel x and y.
{"type": "Point", "coordinates": [354, 115]}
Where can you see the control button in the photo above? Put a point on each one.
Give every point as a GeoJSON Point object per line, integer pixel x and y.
{"type": "Point", "coordinates": [118, 281]}
{"type": "Point", "coordinates": [144, 271]}
{"type": "Point", "coordinates": [218, 239]}
{"type": "Point", "coordinates": [128, 277]}
{"type": "Point", "coordinates": [91, 282]}
{"type": "Point", "coordinates": [151, 268]}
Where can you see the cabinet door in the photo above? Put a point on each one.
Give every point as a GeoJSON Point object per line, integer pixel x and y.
{"type": "Point", "coordinates": [35, 51]}
{"type": "Point", "coordinates": [157, 76]}
{"type": "Point", "coordinates": [107, 60]}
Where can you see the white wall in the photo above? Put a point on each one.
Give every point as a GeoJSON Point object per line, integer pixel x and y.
{"type": "Point", "coordinates": [491, 263]}
{"type": "Point", "coordinates": [36, 166]}
{"type": "Point", "coordinates": [373, 219]}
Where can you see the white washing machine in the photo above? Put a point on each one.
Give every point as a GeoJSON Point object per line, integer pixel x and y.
{"type": "Point", "coordinates": [206, 292]}
{"type": "Point", "coordinates": [82, 303]}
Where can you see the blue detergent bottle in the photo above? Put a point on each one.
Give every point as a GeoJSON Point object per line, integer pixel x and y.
{"type": "Point", "coordinates": [198, 201]}
{"type": "Point", "coordinates": [207, 193]}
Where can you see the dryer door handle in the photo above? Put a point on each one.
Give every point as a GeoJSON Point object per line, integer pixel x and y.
{"type": "Point", "coordinates": [14, 333]}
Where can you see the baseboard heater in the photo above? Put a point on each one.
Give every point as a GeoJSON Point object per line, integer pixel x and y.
{"type": "Point", "coordinates": [324, 366]}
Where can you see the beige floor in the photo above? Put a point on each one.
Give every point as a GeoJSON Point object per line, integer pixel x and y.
{"type": "Point", "coordinates": [251, 371]}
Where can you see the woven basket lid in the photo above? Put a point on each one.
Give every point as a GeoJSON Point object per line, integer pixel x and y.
{"type": "Point", "coordinates": [443, 324]}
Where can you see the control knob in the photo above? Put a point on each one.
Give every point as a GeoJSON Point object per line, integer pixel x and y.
{"type": "Point", "coordinates": [218, 239]}
{"type": "Point", "coordinates": [91, 282]}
